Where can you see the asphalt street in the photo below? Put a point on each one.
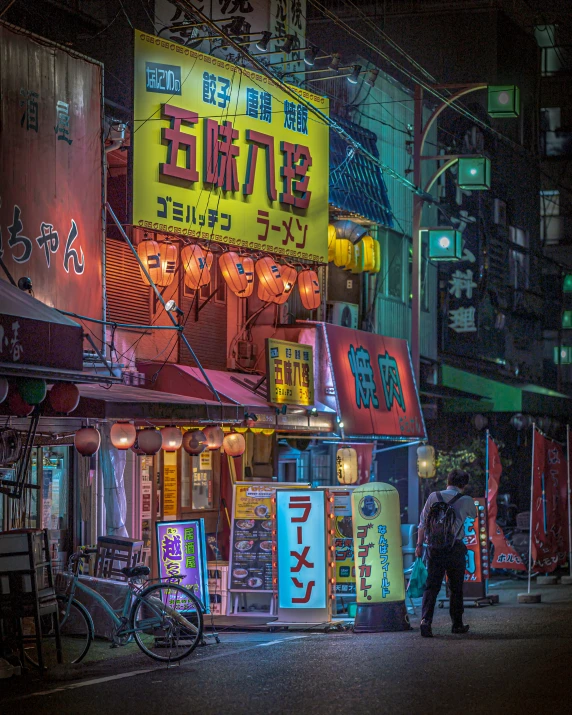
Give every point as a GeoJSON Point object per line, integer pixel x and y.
{"type": "Point", "coordinates": [515, 659]}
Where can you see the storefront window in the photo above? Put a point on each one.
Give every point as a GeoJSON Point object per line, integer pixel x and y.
{"type": "Point", "coordinates": [54, 487]}
{"type": "Point", "coordinates": [197, 481]}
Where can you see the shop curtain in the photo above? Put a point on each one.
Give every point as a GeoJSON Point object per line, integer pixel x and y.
{"type": "Point", "coordinates": [113, 468]}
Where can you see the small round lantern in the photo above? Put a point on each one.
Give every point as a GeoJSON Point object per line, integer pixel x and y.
{"type": "Point", "coordinates": [87, 441]}
{"type": "Point", "coordinates": [332, 238]}
{"type": "Point", "coordinates": [256, 430]}
{"type": "Point", "coordinates": [168, 256]}
{"type": "Point", "coordinates": [214, 436]}
{"type": "Point", "coordinates": [172, 438]}
{"type": "Point", "coordinates": [347, 465]}
{"type": "Point", "coordinates": [194, 442]}
{"type": "Point", "coordinates": [149, 440]}
{"type": "Point", "coordinates": [32, 389]}
{"type": "Point", "coordinates": [150, 255]}
{"type": "Point", "coordinates": [136, 449]}
{"type": "Point", "coordinates": [64, 397]}
{"type": "Point", "coordinates": [122, 435]}
{"type": "Point", "coordinates": [426, 467]}
{"type": "Point", "coordinates": [248, 265]}
{"type": "Point", "coordinates": [268, 431]}
{"type": "Point", "coordinates": [3, 388]}
{"type": "Point", "coordinates": [234, 444]}
{"type": "Point", "coordinates": [195, 266]}
{"type": "Point", "coordinates": [232, 270]}
{"type": "Point", "coordinates": [269, 276]}
{"type": "Point", "coordinates": [16, 404]}
{"type": "Point", "coordinates": [289, 276]}
{"type": "Point", "coordinates": [309, 289]}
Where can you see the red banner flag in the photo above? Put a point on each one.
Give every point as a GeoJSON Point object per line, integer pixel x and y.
{"type": "Point", "coordinates": [549, 505]}
{"type": "Point", "coordinates": [505, 556]}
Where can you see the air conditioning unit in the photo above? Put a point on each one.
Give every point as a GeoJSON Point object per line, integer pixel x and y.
{"type": "Point", "coordinates": [345, 314]}
{"type": "Point", "coordinates": [500, 212]}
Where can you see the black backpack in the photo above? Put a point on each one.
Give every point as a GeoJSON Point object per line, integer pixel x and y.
{"type": "Point", "coordinates": [440, 532]}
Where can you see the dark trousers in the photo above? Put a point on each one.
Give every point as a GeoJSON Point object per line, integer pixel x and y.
{"type": "Point", "coordinates": [453, 564]}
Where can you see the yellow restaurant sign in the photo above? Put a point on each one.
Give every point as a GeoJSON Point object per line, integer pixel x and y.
{"type": "Point", "coordinates": [223, 153]}
{"type": "Point", "coordinates": [290, 372]}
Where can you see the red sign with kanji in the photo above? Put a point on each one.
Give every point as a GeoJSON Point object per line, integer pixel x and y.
{"type": "Point", "coordinates": [374, 384]}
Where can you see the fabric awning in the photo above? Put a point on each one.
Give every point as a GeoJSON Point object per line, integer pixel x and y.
{"type": "Point", "coordinates": [35, 334]}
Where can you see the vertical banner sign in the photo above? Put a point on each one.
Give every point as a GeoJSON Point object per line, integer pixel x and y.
{"type": "Point", "coordinates": [344, 544]}
{"type": "Point", "coordinates": [52, 177]}
{"type": "Point", "coordinates": [377, 544]}
{"type": "Point", "coordinates": [504, 556]}
{"type": "Point", "coordinates": [181, 551]}
{"type": "Point", "coordinates": [170, 492]}
{"type": "Point", "coordinates": [252, 539]}
{"type": "Point", "coordinates": [229, 155]}
{"type": "Point", "coordinates": [301, 521]}
{"type": "Point", "coordinates": [476, 541]}
{"type": "Point", "coordinates": [290, 372]}
{"type": "Point", "coordinates": [549, 505]}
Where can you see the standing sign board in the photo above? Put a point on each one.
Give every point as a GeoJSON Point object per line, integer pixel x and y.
{"type": "Point", "coordinates": [181, 551]}
{"type": "Point", "coordinates": [476, 540]}
{"type": "Point", "coordinates": [302, 548]}
{"type": "Point", "coordinates": [52, 171]}
{"type": "Point", "coordinates": [230, 156]}
{"type": "Point", "coordinates": [345, 572]}
{"type": "Point", "coordinates": [290, 372]}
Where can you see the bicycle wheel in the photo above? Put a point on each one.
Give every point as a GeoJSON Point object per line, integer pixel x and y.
{"type": "Point", "coordinates": [76, 634]}
{"type": "Point", "coordinates": [167, 620]}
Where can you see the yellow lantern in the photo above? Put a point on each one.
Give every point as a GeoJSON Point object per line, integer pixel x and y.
{"type": "Point", "coordinates": [367, 249]}
{"type": "Point", "coordinates": [426, 467]}
{"type": "Point", "coordinates": [241, 430]}
{"type": "Point", "coordinates": [332, 238]}
{"type": "Point", "coordinates": [234, 444]}
{"type": "Point", "coordinates": [256, 430]}
{"type": "Point", "coordinates": [168, 255]}
{"type": "Point", "coordinates": [232, 270]}
{"type": "Point", "coordinates": [248, 265]}
{"type": "Point", "coordinates": [309, 289]}
{"type": "Point", "coordinates": [269, 276]}
{"type": "Point", "coordinates": [377, 257]}
{"type": "Point", "coordinates": [344, 252]}
{"type": "Point", "coordinates": [347, 465]}
{"type": "Point", "coordinates": [123, 435]}
{"type": "Point", "coordinates": [357, 261]}
{"type": "Point", "coordinates": [194, 265]}
{"type": "Point", "coordinates": [268, 431]}
{"type": "Point", "coordinates": [289, 276]}
{"type": "Point", "coordinates": [150, 256]}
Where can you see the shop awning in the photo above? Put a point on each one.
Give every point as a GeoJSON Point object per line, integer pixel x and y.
{"type": "Point", "coordinates": [356, 182]}
{"type": "Point", "coordinates": [368, 379]}
{"type": "Point", "coordinates": [503, 396]}
{"type": "Point", "coordinates": [35, 334]}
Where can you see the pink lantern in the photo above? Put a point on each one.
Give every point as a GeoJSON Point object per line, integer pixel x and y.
{"type": "Point", "coordinates": [309, 289]}
{"type": "Point", "coordinates": [194, 442]}
{"type": "Point", "coordinates": [234, 444]}
{"type": "Point", "coordinates": [149, 440]}
{"type": "Point", "coordinates": [122, 435]}
{"type": "Point", "coordinates": [232, 270]}
{"type": "Point", "coordinates": [269, 276]}
{"type": "Point", "coordinates": [172, 438]}
{"type": "Point", "coordinates": [289, 275]}
{"type": "Point", "coordinates": [87, 441]}
{"type": "Point", "coordinates": [214, 436]}
{"type": "Point", "coordinates": [64, 397]}
{"type": "Point", "coordinates": [195, 266]}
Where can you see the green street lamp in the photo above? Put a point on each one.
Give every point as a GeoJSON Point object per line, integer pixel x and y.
{"type": "Point", "coordinates": [474, 173]}
{"type": "Point", "coordinates": [504, 100]}
{"type": "Point", "coordinates": [445, 244]}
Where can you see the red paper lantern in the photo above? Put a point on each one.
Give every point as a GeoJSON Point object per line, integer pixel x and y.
{"type": "Point", "coordinates": [149, 440]}
{"type": "Point", "coordinates": [4, 386]}
{"type": "Point", "coordinates": [122, 435]}
{"type": "Point", "coordinates": [234, 444]}
{"type": "Point", "coordinates": [232, 270]}
{"type": "Point", "coordinates": [150, 255]}
{"type": "Point", "coordinates": [172, 438]}
{"type": "Point", "coordinates": [195, 266]}
{"type": "Point", "coordinates": [309, 289]}
{"type": "Point", "coordinates": [16, 404]}
{"type": "Point", "coordinates": [248, 265]}
{"type": "Point", "coordinates": [194, 442]}
{"type": "Point", "coordinates": [64, 397]}
{"type": "Point", "coordinates": [214, 437]}
{"type": "Point", "coordinates": [289, 275]}
{"type": "Point", "coordinates": [264, 295]}
{"type": "Point", "coordinates": [87, 441]}
{"type": "Point", "coordinates": [168, 255]}
{"type": "Point", "coordinates": [269, 276]}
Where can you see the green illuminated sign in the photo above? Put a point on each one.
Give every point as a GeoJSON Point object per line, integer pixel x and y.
{"type": "Point", "coordinates": [567, 287]}
{"type": "Point", "coordinates": [445, 244]}
{"type": "Point", "coordinates": [504, 101]}
{"type": "Point", "coordinates": [563, 355]}
{"type": "Point", "coordinates": [475, 173]}
{"type": "Point", "coordinates": [567, 319]}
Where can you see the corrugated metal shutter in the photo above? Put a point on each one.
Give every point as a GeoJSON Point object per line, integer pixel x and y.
{"type": "Point", "coordinates": [128, 299]}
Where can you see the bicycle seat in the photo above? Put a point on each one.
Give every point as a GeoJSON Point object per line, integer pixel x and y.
{"type": "Point", "coordinates": [133, 571]}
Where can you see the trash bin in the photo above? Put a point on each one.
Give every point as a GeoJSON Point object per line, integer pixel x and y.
{"type": "Point", "coordinates": [408, 544]}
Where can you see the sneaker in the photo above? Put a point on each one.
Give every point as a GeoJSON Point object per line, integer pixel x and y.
{"type": "Point", "coordinates": [426, 631]}
{"type": "Point", "coordinates": [6, 670]}
{"type": "Point", "coordinates": [459, 630]}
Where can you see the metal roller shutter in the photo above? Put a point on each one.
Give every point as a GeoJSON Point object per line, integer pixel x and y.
{"type": "Point", "coordinates": [128, 298]}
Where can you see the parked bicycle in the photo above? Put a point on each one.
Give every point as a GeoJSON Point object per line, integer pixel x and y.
{"type": "Point", "coordinates": [164, 618]}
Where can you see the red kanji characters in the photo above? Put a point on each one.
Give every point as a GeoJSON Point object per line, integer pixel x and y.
{"type": "Point", "coordinates": [220, 155]}
{"type": "Point", "coordinates": [309, 586]}
{"type": "Point", "coordinates": [178, 140]}
{"type": "Point", "coordinates": [260, 141]}
{"type": "Point", "coordinates": [301, 560]}
{"type": "Point", "coordinates": [300, 503]}
{"type": "Point", "coordinates": [297, 161]}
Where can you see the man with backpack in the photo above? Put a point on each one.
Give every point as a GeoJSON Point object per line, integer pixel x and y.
{"type": "Point", "coordinates": [441, 528]}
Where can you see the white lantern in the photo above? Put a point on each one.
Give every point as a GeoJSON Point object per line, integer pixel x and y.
{"type": "Point", "coordinates": [172, 438]}
{"type": "Point", "coordinates": [214, 436]}
{"type": "Point", "coordinates": [426, 467]}
{"type": "Point", "coordinates": [347, 465]}
{"type": "Point", "coordinates": [234, 444]}
{"type": "Point", "coordinates": [123, 435]}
